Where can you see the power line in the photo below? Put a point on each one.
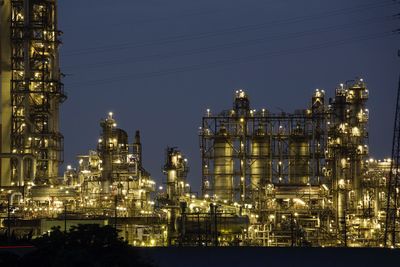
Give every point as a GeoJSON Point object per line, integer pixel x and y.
{"type": "Point", "coordinates": [188, 13]}
{"type": "Point", "coordinates": [189, 37]}
{"type": "Point", "coordinates": [220, 63]}
{"type": "Point", "coordinates": [299, 34]}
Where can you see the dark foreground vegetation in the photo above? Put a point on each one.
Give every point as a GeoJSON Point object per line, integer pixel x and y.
{"type": "Point", "coordinates": [84, 245]}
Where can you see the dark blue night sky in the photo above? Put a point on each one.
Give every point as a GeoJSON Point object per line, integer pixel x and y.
{"type": "Point", "coordinates": [159, 64]}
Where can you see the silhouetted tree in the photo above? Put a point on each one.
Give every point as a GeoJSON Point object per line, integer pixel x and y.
{"type": "Point", "coordinates": [84, 245]}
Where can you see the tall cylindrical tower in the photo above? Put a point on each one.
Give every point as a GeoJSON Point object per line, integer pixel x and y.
{"type": "Point", "coordinates": [223, 166]}
{"type": "Point", "coordinates": [260, 161]}
{"type": "Point", "coordinates": [176, 169]}
{"type": "Point", "coordinates": [299, 157]}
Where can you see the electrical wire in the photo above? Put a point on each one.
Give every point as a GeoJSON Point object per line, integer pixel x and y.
{"type": "Point", "coordinates": [233, 30]}
{"type": "Point", "coordinates": [278, 37]}
{"type": "Point", "coordinates": [240, 60]}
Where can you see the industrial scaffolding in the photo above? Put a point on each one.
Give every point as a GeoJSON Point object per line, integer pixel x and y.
{"type": "Point", "coordinates": [36, 92]}
{"type": "Point", "coordinates": [302, 176]}
{"type": "Point", "coordinates": [244, 150]}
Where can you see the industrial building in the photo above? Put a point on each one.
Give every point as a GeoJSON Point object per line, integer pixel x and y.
{"type": "Point", "coordinates": [305, 177]}
{"type": "Point", "coordinates": [31, 93]}
{"type": "Point", "coordinates": [300, 179]}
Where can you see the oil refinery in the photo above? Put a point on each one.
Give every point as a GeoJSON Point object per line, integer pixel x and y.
{"type": "Point", "coordinates": [302, 179]}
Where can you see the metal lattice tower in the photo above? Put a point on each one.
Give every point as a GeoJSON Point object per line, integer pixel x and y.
{"type": "Point", "coordinates": [36, 91]}
{"type": "Point", "coordinates": [392, 212]}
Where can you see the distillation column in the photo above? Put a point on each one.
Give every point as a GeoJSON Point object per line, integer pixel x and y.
{"type": "Point", "coordinates": [113, 151]}
{"type": "Point", "coordinates": [176, 169]}
{"type": "Point", "coordinates": [299, 156]}
{"type": "Point", "coordinates": [223, 166]}
{"type": "Point", "coordinates": [348, 149]}
{"type": "Point", "coordinates": [318, 140]}
{"type": "Point", "coordinates": [260, 168]}
{"type": "Point", "coordinates": [241, 109]}
{"type": "Point", "coordinates": [105, 149]}
{"type": "Point", "coordinates": [358, 119]}
{"type": "Point", "coordinates": [338, 158]}
{"type": "Point", "coordinates": [137, 152]}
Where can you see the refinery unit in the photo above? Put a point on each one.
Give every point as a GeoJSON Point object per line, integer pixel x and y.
{"type": "Point", "coordinates": [268, 179]}
{"type": "Point", "coordinates": [305, 177]}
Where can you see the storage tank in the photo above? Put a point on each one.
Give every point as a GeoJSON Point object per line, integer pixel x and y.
{"type": "Point", "coordinates": [260, 169]}
{"type": "Point", "coordinates": [299, 154]}
{"type": "Point", "coordinates": [223, 165]}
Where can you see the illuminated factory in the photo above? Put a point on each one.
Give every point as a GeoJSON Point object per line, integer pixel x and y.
{"type": "Point", "coordinates": [301, 179]}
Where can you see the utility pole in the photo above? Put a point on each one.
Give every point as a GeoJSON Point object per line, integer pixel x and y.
{"type": "Point", "coordinates": [115, 211]}
{"type": "Point", "coordinates": [215, 225]}
{"type": "Point", "coordinates": [182, 234]}
{"type": "Point", "coordinates": [292, 229]}
{"type": "Point", "coordinates": [344, 217]}
{"type": "Point", "coordinates": [65, 217]}
{"type": "Point", "coordinates": [393, 181]}
{"type": "Point", "coordinates": [198, 230]}
{"type": "Point", "coordinates": [9, 218]}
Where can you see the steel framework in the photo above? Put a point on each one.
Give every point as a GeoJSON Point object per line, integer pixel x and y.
{"type": "Point", "coordinates": [36, 90]}
{"type": "Point", "coordinates": [287, 138]}
{"type": "Point", "coordinates": [392, 213]}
